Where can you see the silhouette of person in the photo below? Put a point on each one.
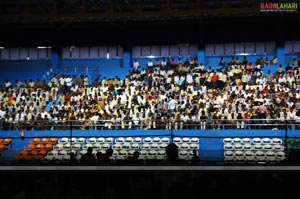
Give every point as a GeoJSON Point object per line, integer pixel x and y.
{"type": "Point", "coordinates": [195, 158]}
{"type": "Point", "coordinates": [172, 157]}
{"type": "Point", "coordinates": [105, 160]}
{"type": "Point", "coordinates": [134, 160]}
{"type": "Point", "coordinates": [73, 161]}
{"type": "Point", "coordinates": [88, 158]}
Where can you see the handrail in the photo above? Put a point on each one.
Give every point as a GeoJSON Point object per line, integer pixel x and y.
{"type": "Point", "coordinates": [147, 124]}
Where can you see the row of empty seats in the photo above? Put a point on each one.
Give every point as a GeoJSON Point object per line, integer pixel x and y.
{"type": "Point", "coordinates": [253, 149]}
{"type": "Point", "coordinates": [148, 147]}
{"type": "Point", "coordinates": [128, 139]}
{"type": "Point", "coordinates": [37, 149]}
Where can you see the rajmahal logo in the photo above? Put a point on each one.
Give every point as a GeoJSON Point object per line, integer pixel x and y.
{"type": "Point", "coordinates": [279, 7]}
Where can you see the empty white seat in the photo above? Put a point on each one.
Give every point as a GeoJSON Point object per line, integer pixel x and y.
{"type": "Point", "coordinates": [229, 158]}
{"type": "Point", "coordinates": [228, 146]}
{"type": "Point", "coordinates": [105, 146]}
{"type": "Point", "coordinates": [184, 146]}
{"type": "Point", "coordinates": [147, 139]}
{"type": "Point", "coordinates": [120, 140]}
{"type": "Point", "coordinates": [237, 140]}
{"type": "Point", "coordinates": [101, 139]}
{"type": "Point", "coordinates": [146, 146]}
{"type": "Point", "coordinates": [258, 147]}
{"type": "Point", "coordinates": [76, 146]}
{"type": "Point", "coordinates": [239, 158]}
{"type": "Point", "coordinates": [259, 153]}
{"type": "Point", "coordinates": [256, 140]}
{"type": "Point", "coordinates": [102, 151]}
{"type": "Point", "coordinates": [73, 140]}
{"type": "Point", "coordinates": [135, 146]}
{"type": "Point", "coordinates": [152, 154]}
{"type": "Point", "coordinates": [53, 153]}
{"type": "Point", "coordinates": [81, 140]}
{"type": "Point", "coordinates": [63, 152]}
{"type": "Point", "coordinates": [143, 152]}
{"type": "Point", "coordinates": [270, 153]}
{"type": "Point", "coordinates": [48, 157]}
{"type": "Point", "coordinates": [276, 141]}
{"type": "Point", "coordinates": [268, 147]}
{"type": "Point", "coordinates": [126, 145]}
{"type": "Point", "coordinates": [246, 140]}
{"type": "Point", "coordinates": [260, 158]}
{"type": "Point", "coordinates": [109, 140]}
{"type": "Point", "coordinates": [248, 146]}
{"type": "Point", "coordinates": [238, 146]}
{"type": "Point", "coordinates": [161, 152]}
{"type": "Point", "coordinates": [238, 153]}
{"type": "Point", "coordinates": [271, 158]}
{"type": "Point", "coordinates": [183, 153]}
{"type": "Point", "coordinates": [163, 145]}
{"type": "Point", "coordinates": [128, 139]}
{"type": "Point", "coordinates": [227, 140]}
{"type": "Point", "coordinates": [67, 145]}
{"type": "Point", "coordinates": [137, 139]}
{"type": "Point", "coordinates": [154, 146]}
{"type": "Point", "coordinates": [280, 154]}
{"type": "Point", "coordinates": [64, 140]}
{"type": "Point", "coordinates": [248, 153]}
{"type": "Point", "coordinates": [117, 145]}
{"type": "Point", "coordinates": [266, 141]}
{"type": "Point", "coordinates": [156, 139]}
{"type": "Point", "coordinates": [249, 157]}
{"type": "Point", "coordinates": [176, 140]}
{"type": "Point", "coordinates": [165, 140]}
{"type": "Point", "coordinates": [92, 140]}
{"type": "Point", "coordinates": [278, 147]}
{"type": "Point", "coordinates": [130, 152]}
{"type": "Point", "coordinates": [194, 146]}
{"type": "Point", "coordinates": [195, 140]}
{"type": "Point", "coordinates": [97, 146]}
{"type": "Point", "coordinates": [228, 153]}
{"type": "Point", "coordinates": [59, 146]}
{"type": "Point", "coordinates": [122, 152]}
{"type": "Point", "coordinates": [82, 152]}
{"type": "Point", "coordinates": [86, 146]}
{"type": "Point", "coordinates": [185, 139]}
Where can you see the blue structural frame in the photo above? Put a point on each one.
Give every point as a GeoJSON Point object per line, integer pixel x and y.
{"type": "Point", "coordinates": [210, 141]}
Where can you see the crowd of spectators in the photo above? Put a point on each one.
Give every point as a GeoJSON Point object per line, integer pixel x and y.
{"type": "Point", "coordinates": [162, 95]}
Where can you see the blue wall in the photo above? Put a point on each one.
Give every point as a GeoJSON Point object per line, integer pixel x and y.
{"type": "Point", "coordinates": [213, 61]}
{"type": "Point", "coordinates": [108, 67]}
{"type": "Point", "coordinates": [23, 70]}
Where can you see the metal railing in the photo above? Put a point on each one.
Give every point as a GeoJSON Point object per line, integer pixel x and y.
{"type": "Point", "coordinates": [147, 124]}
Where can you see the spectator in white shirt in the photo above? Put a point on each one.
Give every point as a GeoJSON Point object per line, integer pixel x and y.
{"type": "Point", "coordinates": [136, 65]}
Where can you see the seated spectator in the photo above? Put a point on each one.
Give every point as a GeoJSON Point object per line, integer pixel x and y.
{"type": "Point", "coordinates": [150, 64]}
{"type": "Point", "coordinates": [280, 69]}
{"type": "Point", "coordinates": [222, 62]}
{"type": "Point", "coordinates": [245, 61]}
{"type": "Point", "coordinates": [267, 62]}
{"type": "Point", "coordinates": [274, 60]}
